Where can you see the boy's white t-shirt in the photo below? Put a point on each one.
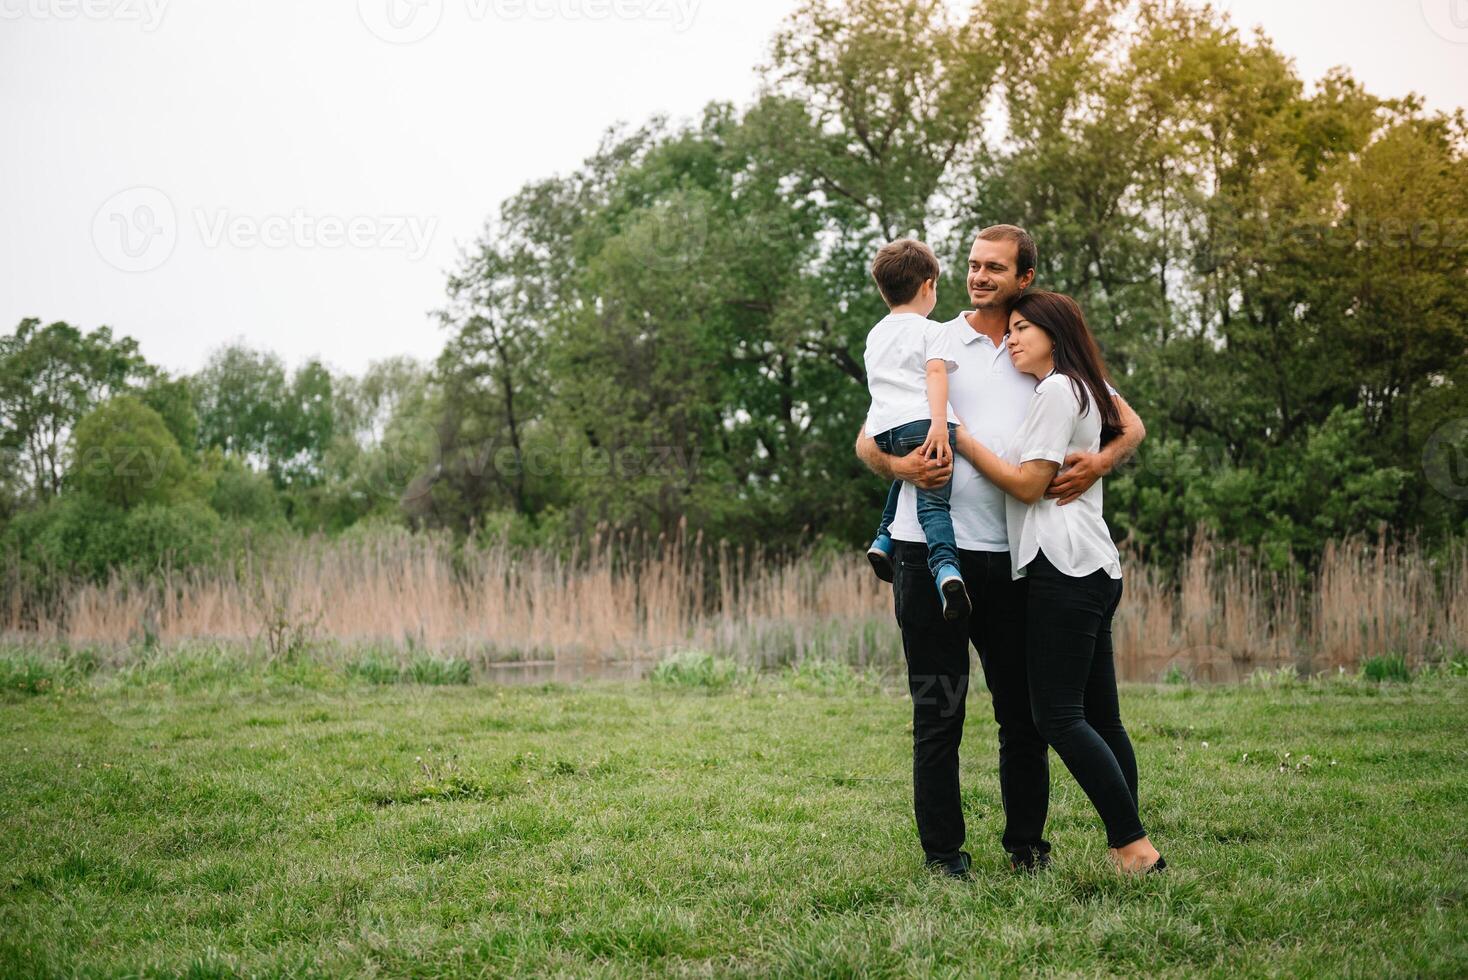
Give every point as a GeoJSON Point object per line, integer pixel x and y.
{"type": "Point", "coordinates": [1074, 537]}
{"type": "Point", "coordinates": [898, 350]}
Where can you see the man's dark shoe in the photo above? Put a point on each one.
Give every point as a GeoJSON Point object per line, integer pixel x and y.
{"type": "Point", "coordinates": [957, 867]}
{"type": "Point", "coordinates": [1029, 861]}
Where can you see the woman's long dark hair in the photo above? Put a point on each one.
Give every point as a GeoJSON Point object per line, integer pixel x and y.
{"type": "Point", "coordinates": [1076, 354]}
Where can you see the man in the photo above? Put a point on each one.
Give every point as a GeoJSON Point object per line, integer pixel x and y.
{"type": "Point", "coordinates": [991, 397]}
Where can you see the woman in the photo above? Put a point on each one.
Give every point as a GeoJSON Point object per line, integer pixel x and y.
{"type": "Point", "coordinates": [1073, 568]}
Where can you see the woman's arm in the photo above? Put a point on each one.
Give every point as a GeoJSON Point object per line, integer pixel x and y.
{"type": "Point", "coordinates": [1026, 482]}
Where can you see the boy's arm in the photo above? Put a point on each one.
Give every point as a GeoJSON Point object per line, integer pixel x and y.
{"type": "Point", "coordinates": [937, 385]}
{"type": "Point", "coordinates": [1084, 469]}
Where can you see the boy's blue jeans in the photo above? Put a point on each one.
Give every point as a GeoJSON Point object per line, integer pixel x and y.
{"type": "Point", "coordinates": [932, 505]}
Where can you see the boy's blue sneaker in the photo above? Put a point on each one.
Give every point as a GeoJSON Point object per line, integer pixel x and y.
{"type": "Point", "coordinates": [955, 596]}
{"type": "Point", "coordinates": [880, 555]}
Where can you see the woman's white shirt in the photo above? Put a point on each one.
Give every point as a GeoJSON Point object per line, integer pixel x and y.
{"type": "Point", "coordinates": [1073, 537]}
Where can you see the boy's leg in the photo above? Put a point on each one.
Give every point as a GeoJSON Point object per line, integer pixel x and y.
{"type": "Point", "coordinates": [889, 513]}
{"type": "Point", "coordinates": [932, 505]}
{"type": "Point", "coordinates": [937, 522]}
{"type": "Point", "coordinates": [880, 552]}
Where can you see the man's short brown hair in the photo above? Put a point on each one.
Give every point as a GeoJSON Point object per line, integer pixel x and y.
{"type": "Point", "coordinates": [1028, 254]}
{"type": "Point", "coordinates": [901, 268]}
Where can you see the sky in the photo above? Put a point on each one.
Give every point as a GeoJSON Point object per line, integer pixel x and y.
{"type": "Point", "coordinates": [303, 175]}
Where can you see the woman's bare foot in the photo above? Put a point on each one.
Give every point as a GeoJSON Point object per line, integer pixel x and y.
{"type": "Point", "coordinates": [1135, 857]}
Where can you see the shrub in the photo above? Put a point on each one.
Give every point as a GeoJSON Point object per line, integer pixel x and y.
{"type": "Point", "coordinates": [79, 535]}
{"type": "Point", "coordinates": [72, 535]}
{"type": "Point", "coordinates": [1455, 666]}
{"type": "Point", "coordinates": [182, 535]}
{"type": "Point", "coordinates": [27, 673]}
{"type": "Point", "coordinates": [694, 668]}
{"type": "Point", "coordinates": [239, 493]}
{"type": "Point", "coordinates": [380, 668]}
{"type": "Point", "coordinates": [831, 677]}
{"type": "Point", "coordinates": [123, 453]}
{"type": "Point", "coordinates": [375, 668]}
{"type": "Point", "coordinates": [1390, 667]}
{"type": "Point", "coordinates": [1285, 676]}
{"type": "Point", "coordinates": [424, 669]}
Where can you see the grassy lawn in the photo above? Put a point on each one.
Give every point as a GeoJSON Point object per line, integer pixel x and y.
{"type": "Point", "coordinates": [307, 821]}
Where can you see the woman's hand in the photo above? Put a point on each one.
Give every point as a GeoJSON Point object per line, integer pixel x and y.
{"type": "Point", "coordinates": [961, 442]}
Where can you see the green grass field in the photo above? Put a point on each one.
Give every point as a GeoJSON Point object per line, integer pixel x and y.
{"type": "Point", "coordinates": [193, 819]}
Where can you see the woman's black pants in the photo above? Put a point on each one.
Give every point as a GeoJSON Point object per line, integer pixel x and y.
{"type": "Point", "coordinates": [1072, 673]}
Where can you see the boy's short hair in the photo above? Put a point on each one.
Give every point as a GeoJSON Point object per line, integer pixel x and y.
{"type": "Point", "coordinates": [901, 268]}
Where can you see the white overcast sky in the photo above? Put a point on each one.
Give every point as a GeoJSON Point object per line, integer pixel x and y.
{"type": "Point", "coordinates": [169, 137]}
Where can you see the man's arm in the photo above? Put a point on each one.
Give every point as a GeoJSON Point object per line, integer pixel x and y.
{"type": "Point", "coordinates": [928, 474]}
{"type": "Point", "coordinates": [1084, 469]}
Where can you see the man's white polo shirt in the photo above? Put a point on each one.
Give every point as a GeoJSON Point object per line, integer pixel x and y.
{"type": "Point", "coordinates": [991, 397]}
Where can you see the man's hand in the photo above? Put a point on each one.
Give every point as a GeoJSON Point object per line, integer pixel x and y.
{"type": "Point", "coordinates": [928, 474]}
{"type": "Point", "coordinates": [1081, 470]}
{"type": "Point", "coordinates": [1079, 474]}
{"type": "Point", "coordinates": [922, 471]}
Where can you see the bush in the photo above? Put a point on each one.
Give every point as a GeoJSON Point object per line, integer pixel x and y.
{"type": "Point", "coordinates": [438, 670]}
{"type": "Point", "coordinates": [70, 535]}
{"type": "Point", "coordinates": [822, 676]}
{"type": "Point", "coordinates": [380, 668]}
{"type": "Point", "coordinates": [27, 673]}
{"type": "Point", "coordinates": [181, 535]}
{"type": "Point", "coordinates": [1286, 676]}
{"type": "Point", "coordinates": [123, 453]}
{"type": "Point", "coordinates": [1391, 667]}
{"type": "Point", "coordinates": [375, 668]}
{"type": "Point", "coordinates": [79, 535]}
{"type": "Point", "coordinates": [694, 668]}
{"type": "Point", "coordinates": [239, 493]}
{"type": "Point", "coordinates": [1452, 666]}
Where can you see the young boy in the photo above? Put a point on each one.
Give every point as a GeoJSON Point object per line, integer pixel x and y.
{"type": "Point", "coordinates": [907, 374]}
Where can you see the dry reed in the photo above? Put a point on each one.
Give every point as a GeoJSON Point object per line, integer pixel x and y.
{"type": "Point", "coordinates": [620, 598]}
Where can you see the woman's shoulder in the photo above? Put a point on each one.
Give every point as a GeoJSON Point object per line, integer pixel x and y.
{"type": "Point", "coordinates": [1059, 389]}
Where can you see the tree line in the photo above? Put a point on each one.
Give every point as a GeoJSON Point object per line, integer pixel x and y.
{"type": "Point", "coordinates": [673, 331]}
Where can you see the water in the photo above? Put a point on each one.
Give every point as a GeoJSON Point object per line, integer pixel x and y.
{"type": "Point", "coordinates": [566, 671]}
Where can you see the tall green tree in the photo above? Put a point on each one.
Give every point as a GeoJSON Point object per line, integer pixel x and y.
{"type": "Point", "coordinates": [249, 405]}
{"type": "Point", "coordinates": [49, 378]}
{"type": "Point", "coordinates": [123, 454]}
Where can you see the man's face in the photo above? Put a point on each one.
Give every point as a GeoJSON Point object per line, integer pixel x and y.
{"type": "Point", "coordinates": [993, 283]}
